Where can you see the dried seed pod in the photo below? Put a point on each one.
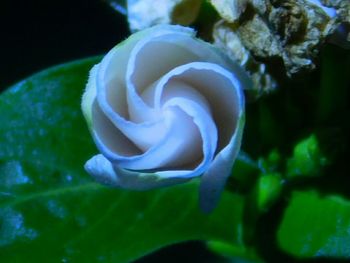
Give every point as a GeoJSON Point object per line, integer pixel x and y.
{"type": "Point", "coordinates": [231, 11]}
{"type": "Point", "coordinates": [258, 33]}
{"type": "Point", "coordinates": [227, 38]}
{"type": "Point", "coordinates": [146, 13]}
{"type": "Point", "coordinates": [342, 34]}
{"type": "Point", "coordinates": [290, 30]}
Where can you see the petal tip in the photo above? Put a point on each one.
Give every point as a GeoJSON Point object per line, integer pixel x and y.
{"type": "Point", "coordinates": [101, 170]}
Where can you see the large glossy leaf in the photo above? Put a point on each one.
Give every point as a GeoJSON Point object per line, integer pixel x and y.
{"type": "Point", "coordinates": [52, 211]}
{"type": "Point", "coordinates": [316, 226]}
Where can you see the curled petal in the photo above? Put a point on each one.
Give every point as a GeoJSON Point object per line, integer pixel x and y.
{"type": "Point", "coordinates": [214, 179]}
{"type": "Point", "coordinates": [104, 172]}
{"type": "Point", "coordinates": [89, 97]}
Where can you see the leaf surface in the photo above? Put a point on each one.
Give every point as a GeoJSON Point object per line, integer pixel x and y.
{"type": "Point", "coordinates": [316, 226]}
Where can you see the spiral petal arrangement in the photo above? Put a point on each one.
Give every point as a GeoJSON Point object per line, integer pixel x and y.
{"type": "Point", "coordinates": [164, 107]}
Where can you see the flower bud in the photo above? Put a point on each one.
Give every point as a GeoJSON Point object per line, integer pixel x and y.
{"type": "Point", "coordinates": [164, 107]}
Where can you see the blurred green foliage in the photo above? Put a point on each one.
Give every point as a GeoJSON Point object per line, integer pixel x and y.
{"type": "Point", "coordinates": [316, 226]}
{"type": "Point", "coordinates": [307, 159]}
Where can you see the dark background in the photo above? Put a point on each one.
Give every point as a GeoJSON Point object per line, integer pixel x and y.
{"type": "Point", "coordinates": [35, 35]}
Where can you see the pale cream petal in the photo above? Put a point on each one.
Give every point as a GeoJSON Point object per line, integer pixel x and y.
{"type": "Point", "coordinates": [222, 89]}
{"type": "Point", "coordinates": [214, 179]}
{"type": "Point", "coordinates": [102, 170]}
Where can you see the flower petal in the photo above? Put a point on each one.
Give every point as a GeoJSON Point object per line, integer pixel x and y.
{"type": "Point", "coordinates": [103, 171]}
{"type": "Point", "coordinates": [214, 179]}
{"type": "Point", "coordinates": [89, 97]}
{"type": "Point", "coordinates": [222, 89]}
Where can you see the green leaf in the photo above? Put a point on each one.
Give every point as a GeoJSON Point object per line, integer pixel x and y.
{"type": "Point", "coordinates": [52, 211]}
{"type": "Point", "coordinates": [316, 226]}
{"type": "Point", "coordinates": [271, 163]}
{"type": "Point", "coordinates": [245, 255]}
{"type": "Point", "coordinates": [265, 193]}
{"type": "Point", "coordinates": [268, 190]}
{"type": "Point", "coordinates": [307, 160]}
{"type": "Point", "coordinates": [244, 173]}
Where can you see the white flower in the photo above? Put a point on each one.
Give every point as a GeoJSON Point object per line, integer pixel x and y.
{"type": "Point", "coordinates": [164, 107]}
